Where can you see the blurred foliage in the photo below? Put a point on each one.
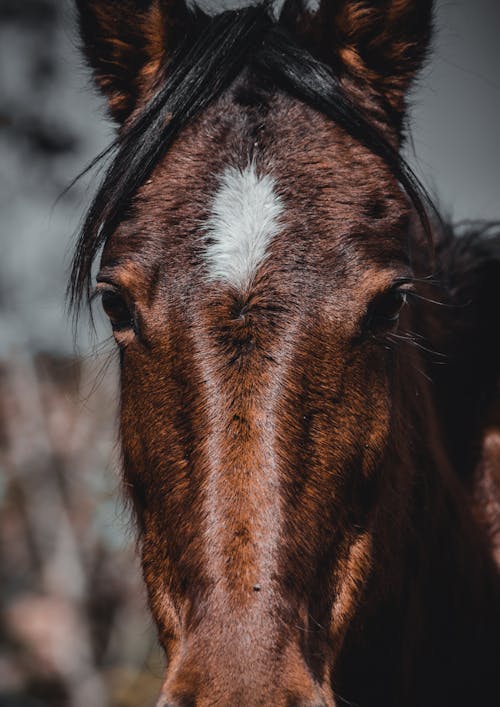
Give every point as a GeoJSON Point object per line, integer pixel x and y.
{"type": "Point", "coordinates": [74, 626]}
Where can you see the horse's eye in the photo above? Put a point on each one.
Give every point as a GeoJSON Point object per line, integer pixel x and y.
{"type": "Point", "coordinates": [117, 310]}
{"type": "Point", "coordinates": [384, 311]}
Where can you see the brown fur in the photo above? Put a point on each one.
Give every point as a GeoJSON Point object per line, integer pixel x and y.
{"type": "Point", "coordinates": [313, 530]}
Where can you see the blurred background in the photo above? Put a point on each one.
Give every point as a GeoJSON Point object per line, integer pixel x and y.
{"type": "Point", "coordinates": [74, 630]}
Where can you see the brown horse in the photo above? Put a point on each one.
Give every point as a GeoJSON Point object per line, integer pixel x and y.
{"type": "Point", "coordinates": [309, 358]}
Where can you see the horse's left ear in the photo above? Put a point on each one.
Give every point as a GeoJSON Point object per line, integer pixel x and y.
{"type": "Point", "coordinates": [381, 43]}
{"type": "Point", "coordinates": [125, 41]}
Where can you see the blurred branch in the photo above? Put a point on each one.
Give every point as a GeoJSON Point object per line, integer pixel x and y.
{"type": "Point", "coordinates": [68, 605]}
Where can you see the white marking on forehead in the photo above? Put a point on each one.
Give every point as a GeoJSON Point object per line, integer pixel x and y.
{"type": "Point", "coordinates": [244, 220]}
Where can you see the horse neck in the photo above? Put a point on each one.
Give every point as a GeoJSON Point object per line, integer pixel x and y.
{"type": "Point", "coordinates": [426, 611]}
{"type": "Point", "coordinates": [443, 532]}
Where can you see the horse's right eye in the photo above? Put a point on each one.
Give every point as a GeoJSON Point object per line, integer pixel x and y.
{"type": "Point", "coordinates": [384, 311]}
{"type": "Point", "coordinates": [117, 310]}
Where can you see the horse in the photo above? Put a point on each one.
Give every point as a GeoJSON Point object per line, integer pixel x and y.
{"type": "Point", "coordinates": [309, 356]}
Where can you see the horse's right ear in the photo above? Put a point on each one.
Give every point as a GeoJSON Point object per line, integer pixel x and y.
{"type": "Point", "coordinates": [382, 44]}
{"type": "Point", "coordinates": [125, 41]}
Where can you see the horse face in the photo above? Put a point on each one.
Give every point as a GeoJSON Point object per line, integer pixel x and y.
{"type": "Point", "coordinates": [253, 283]}
{"type": "Point", "coordinates": [253, 288]}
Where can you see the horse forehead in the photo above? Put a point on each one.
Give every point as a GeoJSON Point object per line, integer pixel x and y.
{"type": "Point", "coordinates": [251, 219]}
{"type": "Point", "coordinates": [227, 202]}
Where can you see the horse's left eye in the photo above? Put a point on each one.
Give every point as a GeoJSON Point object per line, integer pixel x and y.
{"type": "Point", "coordinates": [118, 311]}
{"type": "Point", "coordinates": [384, 311]}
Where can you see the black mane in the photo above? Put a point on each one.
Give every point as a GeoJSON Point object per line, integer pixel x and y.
{"type": "Point", "coordinates": [213, 54]}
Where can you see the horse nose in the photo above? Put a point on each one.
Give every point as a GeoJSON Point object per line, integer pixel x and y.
{"type": "Point", "coordinates": [169, 701]}
{"type": "Point", "coordinates": [243, 671]}
{"type": "Point", "coordinates": [165, 701]}
{"type": "Point", "coordinates": [289, 701]}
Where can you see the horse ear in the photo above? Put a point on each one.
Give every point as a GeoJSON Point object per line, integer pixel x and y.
{"type": "Point", "coordinates": [382, 43]}
{"type": "Point", "coordinates": [125, 41]}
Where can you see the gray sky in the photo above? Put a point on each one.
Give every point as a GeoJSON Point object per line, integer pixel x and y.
{"type": "Point", "coordinates": [456, 114]}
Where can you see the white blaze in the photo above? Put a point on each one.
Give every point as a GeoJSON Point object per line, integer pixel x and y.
{"type": "Point", "coordinates": [243, 221]}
